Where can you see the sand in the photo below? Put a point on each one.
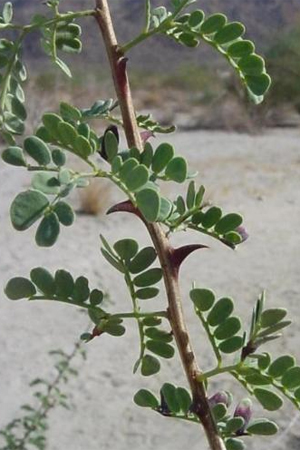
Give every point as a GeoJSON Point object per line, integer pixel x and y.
{"type": "Point", "coordinates": [257, 176]}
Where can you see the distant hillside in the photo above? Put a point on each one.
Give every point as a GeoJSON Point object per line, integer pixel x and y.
{"type": "Point", "coordinates": [263, 18]}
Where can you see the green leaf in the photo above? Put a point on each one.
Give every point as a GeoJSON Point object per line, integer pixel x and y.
{"type": "Point", "coordinates": [82, 147]}
{"type": "Point", "coordinates": [197, 218]}
{"type": "Point", "coordinates": [150, 366]}
{"type": "Point", "coordinates": [63, 66]}
{"type": "Point", "coordinates": [297, 394]}
{"type": "Point", "coordinates": [219, 411]}
{"type": "Point", "coordinates": [196, 18]}
{"type": "Point", "coordinates": [44, 134]}
{"type": "Point", "coordinates": [142, 260]}
{"type": "Point", "coordinates": [281, 365]}
{"type": "Point", "coordinates": [148, 202]}
{"type": "Point", "coordinates": [112, 261]}
{"type": "Point", "coordinates": [16, 90]}
{"type": "Point", "coordinates": [168, 391]}
{"type": "Point", "coordinates": [272, 316]}
{"type": "Point", "coordinates": [177, 170]}
{"type": "Point", "coordinates": [111, 145]}
{"type": "Point", "coordinates": [263, 427]}
{"type": "Point", "coordinates": [51, 122]}
{"type": "Point", "coordinates": [148, 278]}
{"type": "Point", "coordinates": [257, 379]}
{"type": "Point", "coordinates": [147, 293]}
{"type": "Point", "coordinates": [213, 24]}
{"type": "Point", "coordinates": [152, 321]}
{"type": "Point", "coordinates": [235, 444]}
{"type": "Point", "coordinates": [127, 168]}
{"type": "Point", "coordinates": [240, 49]}
{"type": "Point", "coordinates": [81, 290]}
{"type": "Point", "coordinates": [184, 399]}
{"type": "Point", "coordinates": [273, 329]}
{"type": "Point", "coordinates": [235, 424]}
{"type": "Point", "coordinates": [64, 283]}
{"type": "Point", "coordinates": [264, 361]}
{"type": "Point", "coordinates": [38, 150]}
{"type": "Point", "coordinates": [116, 164]}
{"type": "Point", "coordinates": [233, 237]}
{"type": "Point", "coordinates": [106, 245]}
{"type": "Point", "coordinates": [147, 155]}
{"type": "Point", "coordinates": [43, 280]}
{"type": "Point", "coordinates": [180, 205]}
{"type": "Point", "coordinates": [45, 182]}
{"type": "Point", "coordinates": [231, 345]}
{"type": "Point", "coordinates": [191, 195]}
{"type": "Point", "coordinates": [17, 108]}
{"type": "Point", "coordinates": [203, 299]}
{"type": "Point", "coordinates": [14, 156]}
{"type": "Point", "coordinates": [69, 45]}
{"type": "Point", "coordinates": [20, 71]}
{"type": "Point", "coordinates": [126, 249]}
{"type": "Point", "coordinates": [228, 223]}
{"type": "Point", "coordinates": [96, 315]}
{"type": "Point", "coordinates": [84, 130]}
{"type": "Point", "coordinates": [291, 378]}
{"type": "Point", "coordinates": [114, 329]}
{"type": "Point", "coordinates": [26, 208]}
{"type": "Point", "coordinates": [268, 399]}
{"type": "Point", "coordinates": [229, 33]}
{"type": "Point", "coordinates": [211, 217]}
{"type": "Point", "coordinates": [96, 297]}
{"type": "Point", "coordinates": [64, 176]}
{"type": "Point", "coordinates": [65, 213]}
{"type": "Point", "coordinates": [18, 288]}
{"type": "Point", "coordinates": [71, 30]}
{"type": "Point", "coordinates": [69, 112]}
{"type": "Point", "coordinates": [259, 85]}
{"type": "Point", "coordinates": [7, 13]}
{"type": "Point", "coordinates": [166, 207]}
{"type": "Point", "coordinates": [160, 348]}
{"type": "Point", "coordinates": [199, 196]}
{"type": "Point", "coordinates": [67, 133]}
{"type": "Point", "coordinates": [227, 329]}
{"type": "Point", "coordinates": [158, 335]}
{"type": "Point", "coordinates": [162, 156]}
{"type": "Point", "coordinates": [252, 65]}
{"type": "Point", "coordinates": [47, 231]}
{"type": "Point", "coordinates": [137, 178]}
{"type": "Point", "coordinates": [145, 399]}
{"type": "Point", "coordinates": [220, 312]}
{"type": "Point", "coordinates": [13, 124]}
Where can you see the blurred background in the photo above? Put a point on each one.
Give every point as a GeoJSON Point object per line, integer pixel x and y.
{"type": "Point", "coordinates": [184, 84]}
{"type": "Point", "coordinates": [249, 160]}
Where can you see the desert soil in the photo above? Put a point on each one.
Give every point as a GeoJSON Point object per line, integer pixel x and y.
{"type": "Point", "coordinates": [257, 176]}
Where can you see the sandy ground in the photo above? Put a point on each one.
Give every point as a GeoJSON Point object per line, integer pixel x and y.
{"type": "Point", "coordinates": [257, 176]}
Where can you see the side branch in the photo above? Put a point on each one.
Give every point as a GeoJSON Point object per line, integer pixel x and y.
{"type": "Point", "coordinates": [162, 245]}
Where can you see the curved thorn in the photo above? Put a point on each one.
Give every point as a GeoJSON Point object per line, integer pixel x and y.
{"type": "Point", "coordinates": [180, 254]}
{"type": "Point", "coordinates": [125, 206]}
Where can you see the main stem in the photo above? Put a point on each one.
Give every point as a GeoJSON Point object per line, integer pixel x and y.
{"type": "Point", "coordinates": [161, 243]}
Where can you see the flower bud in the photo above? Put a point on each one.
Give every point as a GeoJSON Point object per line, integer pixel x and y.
{"type": "Point", "coordinates": [242, 232]}
{"type": "Point", "coordinates": [220, 397]}
{"type": "Point", "coordinates": [244, 410]}
{"type": "Point", "coordinates": [145, 135]}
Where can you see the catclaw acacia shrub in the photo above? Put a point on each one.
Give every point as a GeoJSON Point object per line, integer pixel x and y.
{"type": "Point", "coordinates": [139, 170]}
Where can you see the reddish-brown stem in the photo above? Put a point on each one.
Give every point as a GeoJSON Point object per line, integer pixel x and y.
{"type": "Point", "coordinates": [161, 243]}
